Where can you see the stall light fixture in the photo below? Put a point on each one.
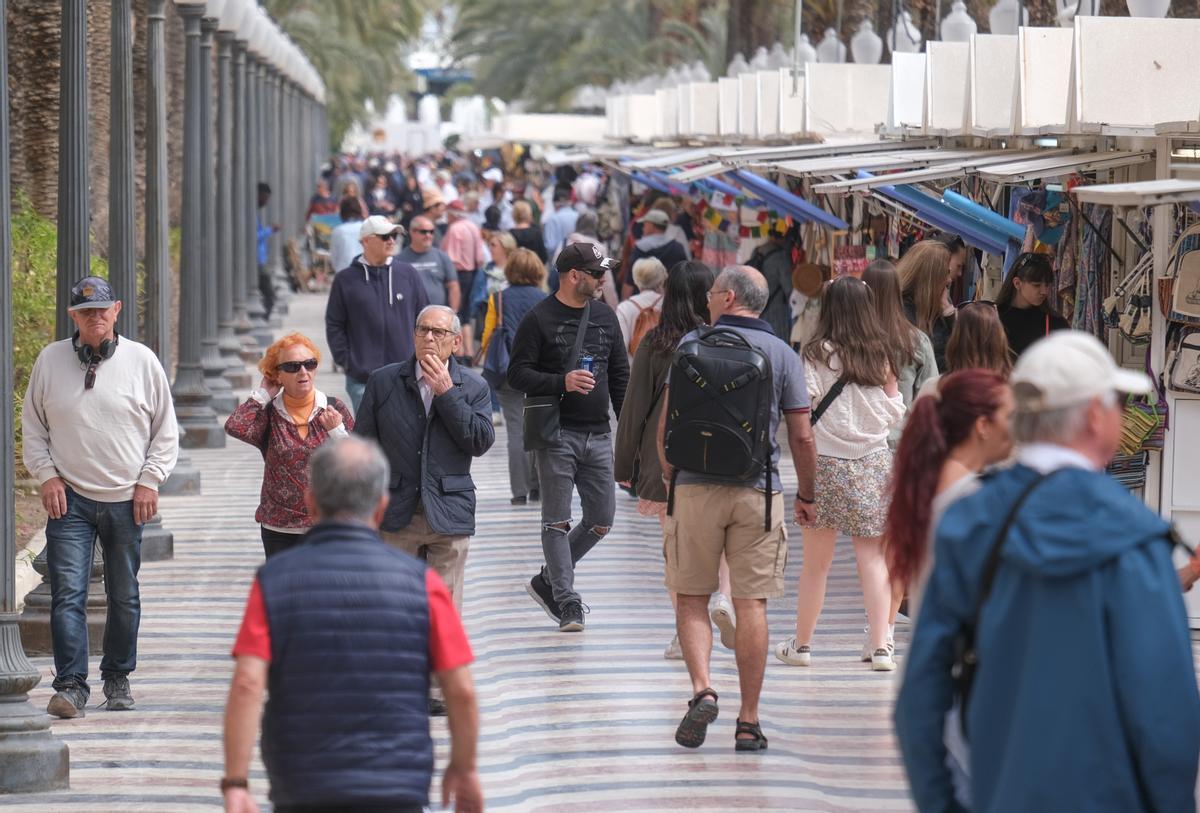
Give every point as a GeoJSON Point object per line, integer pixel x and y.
{"type": "Point", "coordinates": [1191, 152]}
{"type": "Point", "coordinates": [1045, 142]}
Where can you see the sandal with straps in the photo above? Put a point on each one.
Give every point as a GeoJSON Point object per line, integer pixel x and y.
{"type": "Point", "coordinates": [759, 743]}
{"type": "Point", "coordinates": [694, 726]}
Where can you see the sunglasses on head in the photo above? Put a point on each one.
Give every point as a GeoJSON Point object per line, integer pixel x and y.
{"type": "Point", "coordinates": [962, 305]}
{"type": "Point", "coordinates": [294, 366]}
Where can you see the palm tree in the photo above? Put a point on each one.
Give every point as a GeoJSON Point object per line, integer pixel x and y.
{"type": "Point", "coordinates": [354, 45]}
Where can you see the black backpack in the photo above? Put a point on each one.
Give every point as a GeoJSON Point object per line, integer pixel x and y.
{"type": "Point", "coordinates": [719, 410]}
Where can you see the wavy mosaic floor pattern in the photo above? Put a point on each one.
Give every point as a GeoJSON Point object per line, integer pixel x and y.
{"type": "Point", "coordinates": [579, 722]}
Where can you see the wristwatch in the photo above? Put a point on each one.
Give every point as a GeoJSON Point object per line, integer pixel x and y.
{"type": "Point", "coordinates": [228, 782]}
{"type": "Point", "coordinates": [803, 500]}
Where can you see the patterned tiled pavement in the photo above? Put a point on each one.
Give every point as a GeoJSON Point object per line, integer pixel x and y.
{"type": "Point", "coordinates": [569, 722]}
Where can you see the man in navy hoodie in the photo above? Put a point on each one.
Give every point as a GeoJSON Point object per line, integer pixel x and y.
{"type": "Point", "coordinates": [1084, 696]}
{"type": "Point", "coordinates": [373, 305]}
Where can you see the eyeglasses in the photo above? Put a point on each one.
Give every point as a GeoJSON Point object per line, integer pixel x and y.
{"type": "Point", "coordinates": [294, 366]}
{"type": "Point", "coordinates": [962, 305]}
{"type": "Point", "coordinates": [439, 333]}
{"type": "Point", "coordinates": [709, 294]}
{"type": "Point", "coordinates": [422, 231]}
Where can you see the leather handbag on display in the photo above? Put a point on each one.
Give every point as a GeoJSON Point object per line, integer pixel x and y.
{"type": "Point", "coordinates": [540, 417]}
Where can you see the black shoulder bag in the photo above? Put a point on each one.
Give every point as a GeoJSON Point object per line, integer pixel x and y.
{"type": "Point", "coordinates": [966, 658]}
{"type": "Point", "coordinates": [540, 415]}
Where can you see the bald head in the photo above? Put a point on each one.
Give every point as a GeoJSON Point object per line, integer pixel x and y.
{"type": "Point", "coordinates": [347, 480]}
{"type": "Point", "coordinates": [748, 286]}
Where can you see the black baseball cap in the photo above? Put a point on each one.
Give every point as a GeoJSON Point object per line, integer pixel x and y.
{"type": "Point", "coordinates": [586, 257]}
{"type": "Point", "coordinates": [91, 292]}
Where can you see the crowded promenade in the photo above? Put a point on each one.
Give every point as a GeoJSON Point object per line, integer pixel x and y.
{"type": "Point", "coordinates": [582, 722]}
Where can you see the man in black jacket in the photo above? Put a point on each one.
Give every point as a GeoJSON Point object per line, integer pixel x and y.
{"type": "Point", "coordinates": [543, 363]}
{"type": "Point", "coordinates": [431, 417]}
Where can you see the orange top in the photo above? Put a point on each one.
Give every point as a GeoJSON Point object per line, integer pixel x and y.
{"type": "Point", "coordinates": [300, 411]}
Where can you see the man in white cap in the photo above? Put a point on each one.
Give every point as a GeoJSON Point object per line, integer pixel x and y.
{"type": "Point", "coordinates": [373, 305]}
{"type": "Point", "coordinates": [1053, 587]}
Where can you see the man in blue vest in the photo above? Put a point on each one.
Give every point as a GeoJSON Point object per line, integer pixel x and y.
{"type": "Point", "coordinates": [344, 631]}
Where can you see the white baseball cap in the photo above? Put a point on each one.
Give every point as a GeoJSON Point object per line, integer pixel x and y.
{"type": "Point", "coordinates": [378, 224]}
{"type": "Point", "coordinates": [1070, 367]}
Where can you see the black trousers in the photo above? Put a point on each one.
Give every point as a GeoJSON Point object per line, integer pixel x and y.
{"type": "Point", "coordinates": [351, 808]}
{"type": "Point", "coordinates": [266, 287]}
{"type": "Point", "coordinates": [275, 542]}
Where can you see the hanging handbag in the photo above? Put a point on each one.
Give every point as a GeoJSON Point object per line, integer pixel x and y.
{"type": "Point", "coordinates": [495, 354]}
{"type": "Point", "coordinates": [1136, 321]}
{"type": "Point", "coordinates": [540, 416]}
{"type": "Point", "coordinates": [1183, 371]}
{"type": "Point", "coordinates": [1183, 273]}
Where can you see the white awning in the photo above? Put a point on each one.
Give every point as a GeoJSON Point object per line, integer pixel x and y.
{"type": "Point", "coordinates": [678, 158]}
{"type": "Point", "coordinates": [936, 172]}
{"type": "Point", "coordinates": [1020, 171]}
{"type": "Point", "coordinates": [558, 158]}
{"type": "Point", "coordinates": [703, 171]}
{"type": "Point", "coordinates": [765, 155]}
{"type": "Point", "coordinates": [1140, 193]}
{"type": "Point", "coordinates": [879, 162]}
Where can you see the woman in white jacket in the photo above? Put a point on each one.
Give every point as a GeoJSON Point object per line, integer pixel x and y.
{"type": "Point", "coordinates": [853, 464]}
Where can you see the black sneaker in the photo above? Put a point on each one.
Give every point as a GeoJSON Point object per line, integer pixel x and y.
{"type": "Point", "coordinates": [116, 690]}
{"type": "Point", "coordinates": [437, 708]}
{"type": "Point", "coordinates": [540, 592]}
{"type": "Point", "coordinates": [535, 495]}
{"type": "Point", "coordinates": [572, 617]}
{"type": "Point", "coordinates": [517, 501]}
{"type": "Point", "coordinates": [68, 703]}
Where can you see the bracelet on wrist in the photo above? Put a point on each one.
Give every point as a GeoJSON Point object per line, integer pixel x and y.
{"type": "Point", "coordinates": [804, 500]}
{"type": "Point", "coordinates": [229, 782]}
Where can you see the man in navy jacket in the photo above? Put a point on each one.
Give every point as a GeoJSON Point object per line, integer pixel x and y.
{"type": "Point", "coordinates": [432, 417]}
{"type": "Point", "coordinates": [373, 306]}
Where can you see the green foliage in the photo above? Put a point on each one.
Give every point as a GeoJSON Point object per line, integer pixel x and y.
{"type": "Point", "coordinates": [355, 46]}
{"type": "Point", "coordinates": [542, 50]}
{"type": "Point", "coordinates": [34, 275]}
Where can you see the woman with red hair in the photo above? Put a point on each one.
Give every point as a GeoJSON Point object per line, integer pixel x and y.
{"type": "Point", "coordinates": [952, 435]}
{"type": "Point", "coordinates": [286, 418]}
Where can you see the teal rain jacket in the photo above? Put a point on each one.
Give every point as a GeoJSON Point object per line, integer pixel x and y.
{"type": "Point", "coordinates": [1085, 694]}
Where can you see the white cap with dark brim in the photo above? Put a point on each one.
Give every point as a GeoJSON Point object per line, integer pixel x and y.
{"type": "Point", "coordinates": [1068, 368]}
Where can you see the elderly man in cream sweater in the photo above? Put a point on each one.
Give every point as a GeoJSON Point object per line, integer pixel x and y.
{"type": "Point", "coordinates": [100, 437]}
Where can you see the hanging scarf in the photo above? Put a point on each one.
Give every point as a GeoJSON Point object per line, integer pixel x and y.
{"type": "Point", "coordinates": [300, 410]}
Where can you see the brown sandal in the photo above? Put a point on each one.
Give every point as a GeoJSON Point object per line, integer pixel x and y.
{"type": "Point", "coordinates": [759, 743]}
{"type": "Point", "coordinates": [694, 726]}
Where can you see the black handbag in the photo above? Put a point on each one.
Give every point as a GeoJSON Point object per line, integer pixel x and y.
{"type": "Point", "coordinates": [540, 416]}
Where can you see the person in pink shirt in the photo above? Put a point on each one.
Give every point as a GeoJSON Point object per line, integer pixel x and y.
{"type": "Point", "coordinates": [464, 244]}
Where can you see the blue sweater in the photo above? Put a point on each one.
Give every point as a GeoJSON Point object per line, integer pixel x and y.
{"type": "Point", "coordinates": [371, 316]}
{"type": "Point", "coordinates": [1085, 694]}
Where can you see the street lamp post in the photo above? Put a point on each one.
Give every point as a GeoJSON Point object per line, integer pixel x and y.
{"type": "Point", "coordinates": [33, 759]}
{"type": "Point", "coordinates": [121, 259]}
{"type": "Point", "coordinates": [193, 400]}
{"type": "Point", "coordinates": [74, 252]}
{"type": "Point", "coordinates": [227, 342]}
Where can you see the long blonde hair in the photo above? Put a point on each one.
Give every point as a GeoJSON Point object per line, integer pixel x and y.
{"type": "Point", "coordinates": [924, 273]}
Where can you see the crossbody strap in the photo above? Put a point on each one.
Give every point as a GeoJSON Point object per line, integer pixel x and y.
{"type": "Point", "coordinates": [829, 398]}
{"type": "Point", "coordinates": [573, 361]}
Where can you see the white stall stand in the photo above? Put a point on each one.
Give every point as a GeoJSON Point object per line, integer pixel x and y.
{"type": "Point", "coordinates": [906, 103]}
{"type": "Point", "coordinates": [747, 120]}
{"type": "Point", "coordinates": [791, 104]}
{"type": "Point", "coordinates": [550, 128]}
{"type": "Point", "coordinates": [846, 98]}
{"type": "Point", "coordinates": [767, 86]}
{"type": "Point", "coordinates": [667, 124]}
{"type": "Point", "coordinates": [1043, 103]}
{"type": "Point", "coordinates": [946, 72]}
{"type": "Point", "coordinates": [1134, 73]}
{"type": "Point", "coordinates": [1179, 480]}
{"type": "Point", "coordinates": [729, 91]}
{"type": "Point", "coordinates": [992, 84]}
{"type": "Point", "coordinates": [699, 105]}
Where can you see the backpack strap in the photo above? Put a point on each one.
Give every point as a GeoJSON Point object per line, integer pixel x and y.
{"type": "Point", "coordinates": [583, 326]}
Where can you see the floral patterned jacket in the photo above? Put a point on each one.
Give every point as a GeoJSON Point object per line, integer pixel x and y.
{"type": "Point", "coordinates": [266, 425]}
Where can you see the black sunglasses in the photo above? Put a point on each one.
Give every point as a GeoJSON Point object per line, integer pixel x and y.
{"type": "Point", "coordinates": [962, 305]}
{"type": "Point", "coordinates": [294, 366]}
{"type": "Point", "coordinates": [422, 231]}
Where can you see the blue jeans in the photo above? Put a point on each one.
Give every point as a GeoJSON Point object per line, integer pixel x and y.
{"type": "Point", "coordinates": [583, 462]}
{"type": "Point", "coordinates": [69, 542]}
{"type": "Point", "coordinates": [355, 390]}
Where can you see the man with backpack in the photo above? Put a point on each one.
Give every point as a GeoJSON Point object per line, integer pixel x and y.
{"type": "Point", "coordinates": [727, 389]}
{"type": "Point", "coordinates": [639, 314]}
{"type": "Point", "coordinates": [568, 359]}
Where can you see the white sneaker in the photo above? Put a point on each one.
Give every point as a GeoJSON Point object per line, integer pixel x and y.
{"type": "Point", "coordinates": [868, 653]}
{"type": "Point", "coordinates": [721, 613]}
{"type": "Point", "coordinates": [792, 654]}
{"type": "Point", "coordinates": [497, 419]}
{"type": "Point", "coordinates": [674, 652]}
{"type": "Point", "coordinates": [882, 660]}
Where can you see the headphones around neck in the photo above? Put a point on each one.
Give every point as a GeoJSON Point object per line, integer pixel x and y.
{"type": "Point", "coordinates": [104, 352]}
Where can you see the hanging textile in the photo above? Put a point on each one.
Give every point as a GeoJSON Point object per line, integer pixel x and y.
{"type": "Point", "coordinates": [719, 249]}
{"type": "Point", "coordinates": [1094, 257]}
